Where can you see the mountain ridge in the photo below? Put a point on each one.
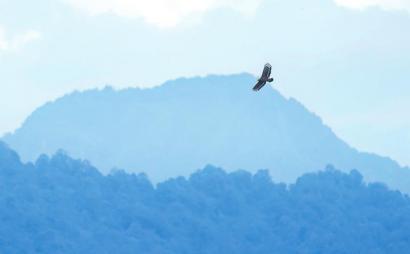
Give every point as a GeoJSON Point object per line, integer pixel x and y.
{"type": "Point", "coordinates": [187, 123]}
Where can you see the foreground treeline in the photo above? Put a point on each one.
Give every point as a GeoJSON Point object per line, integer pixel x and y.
{"type": "Point", "coordinates": [60, 205]}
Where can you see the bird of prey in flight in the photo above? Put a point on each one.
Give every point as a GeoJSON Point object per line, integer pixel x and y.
{"type": "Point", "coordinates": [264, 78]}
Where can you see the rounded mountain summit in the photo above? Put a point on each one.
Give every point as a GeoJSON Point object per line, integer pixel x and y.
{"type": "Point", "coordinates": [184, 124]}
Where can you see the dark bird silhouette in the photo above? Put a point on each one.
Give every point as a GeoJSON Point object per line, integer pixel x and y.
{"type": "Point", "coordinates": [264, 78]}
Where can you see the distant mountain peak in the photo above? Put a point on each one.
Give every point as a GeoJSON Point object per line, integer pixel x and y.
{"type": "Point", "coordinates": [187, 123]}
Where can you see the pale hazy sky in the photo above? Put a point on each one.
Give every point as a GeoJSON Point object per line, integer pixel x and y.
{"type": "Point", "coordinates": [346, 60]}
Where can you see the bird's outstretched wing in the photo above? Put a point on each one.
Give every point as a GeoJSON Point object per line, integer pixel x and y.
{"type": "Point", "coordinates": [259, 85]}
{"type": "Point", "coordinates": [266, 71]}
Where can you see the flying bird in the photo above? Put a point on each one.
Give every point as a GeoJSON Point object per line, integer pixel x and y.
{"type": "Point", "coordinates": [264, 78]}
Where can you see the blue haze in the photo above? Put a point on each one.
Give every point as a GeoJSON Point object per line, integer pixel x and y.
{"type": "Point", "coordinates": [348, 66]}
{"type": "Point", "coordinates": [178, 127]}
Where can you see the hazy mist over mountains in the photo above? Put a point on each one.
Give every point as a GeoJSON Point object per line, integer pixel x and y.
{"type": "Point", "coordinates": [185, 124]}
{"type": "Point", "coordinates": [131, 126]}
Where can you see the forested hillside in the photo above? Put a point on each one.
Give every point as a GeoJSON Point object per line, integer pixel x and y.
{"type": "Point", "coordinates": [61, 205]}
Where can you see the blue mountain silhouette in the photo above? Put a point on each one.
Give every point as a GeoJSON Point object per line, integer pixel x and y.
{"type": "Point", "coordinates": [185, 124]}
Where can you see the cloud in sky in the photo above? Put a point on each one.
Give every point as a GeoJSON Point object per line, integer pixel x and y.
{"type": "Point", "coordinates": [162, 13]}
{"type": "Point", "coordinates": [12, 43]}
{"type": "Point", "coordinates": [384, 4]}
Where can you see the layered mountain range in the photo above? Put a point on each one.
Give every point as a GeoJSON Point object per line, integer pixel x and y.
{"type": "Point", "coordinates": [185, 124]}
